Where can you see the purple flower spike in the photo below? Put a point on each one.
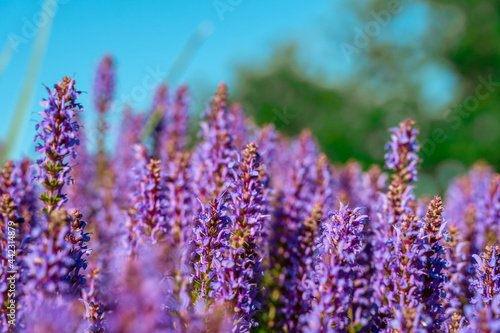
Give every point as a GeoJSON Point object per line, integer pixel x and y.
{"type": "Point", "coordinates": [56, 258]}
{"type": "Point", "coordinates": [212, 249]}
{"type": "Point", "coordinates": [94, 308]}
{"type": "Point", "coordinates": [405, 278]}
{"type": "Point", "coordinates": [104, 85]}
{"type": "Point", "coordinates": [161, 103]}
{"type": "Point", "coordinates": [148, 203]}
{"type": "Point", "coordinates": [249, 215]}
{"type": "Point", "coordinates": [180, 195]}
{"type": "Point", "coordinates": [239, 126]}
{"type": "Point", "coordinates": [129, 135]}
{"type": "Point", "coordinates": [435, 264]}
{"type": "Point", "coordinates": [483, 313]}
{"type": "Point", "coordinates": [486, 283]}
{"type": "Point", "coordinates": [402, 155]}
{"type": "Point", "coordinates": [331, 281]}
{"type": "Point", "coordinates": [215, 156]}
{"type": "Point", "coordinates": [53, 316]}
{"type": "Point", "coordinates": [58, 134]}
{"type": "Point", "coordinates": [9, 226]}
{"type": "Point", "coordinates": [294, 206]}
{"type": "Point", "coordinates": [173, 128]}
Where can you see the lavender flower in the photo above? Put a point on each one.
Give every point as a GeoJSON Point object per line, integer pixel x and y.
{"type": "Point", "coordinates": [6, 176]}
{"type": "Point", "coordinates": [293, 208]}
{"type": "Point", "coordinates": [249, 208]}
{"type": "Point", "coordinates": [484, 312]}
{"type": "Point", "coordinates": [456, 287]}
{"type": "Point", "coordinates": [238, 126]}
{"type": "Point", "coordinates": [179, 192]}
{"type": "Point", "coordinates": [215, 156]}
{"type": "Point", "coordinates": [173, 132]}
{"type": "Point", "coordinates": [305, 250]}
{"type": "Point", "coordinates": [325, 183]}
{"type": "Point", "coordinates": [485, 284]}
{"type": "Point", "coordinates": [470, 204]}
{"type": "Point", "coordinates": [212, 247]}
{"type": "Point", "coordinates": [58, 134]}
{"type": "Point", "coordinates": [53, 316]}
{"type": "Point", "coordinates": [129, 135]}
{"type": "Point", "coordinates": [104, 84]}
{"type": "Point", "coordinates": [161, 103]}
{"type": "Point", "coordinates": [331, 281]}
{"type": "Point", "coordinates": [9, 225]}
{"type": "Point", "coordinates": [56, 259]}
{"type": "Point", "coordinates": [208, 238]}
{"type": "Point", "coordinates": [406, 272]}
{"type": "Point", "coordinates": [396, 262]}
{"type": "Point", "coordinates": [350, 187]}
{"type": "Point", "coordinates": [434, 233]}
{"type": "Point", "coordinates": [147, 213]}
{"type": "Point", "coordinates": [139, 293]}
{"type": "Point", "coordinates": [94, 308]}
{"type": "Point", "coordinates": [402, 156]}
{"type": "Point", "coordinates": [268, 142]}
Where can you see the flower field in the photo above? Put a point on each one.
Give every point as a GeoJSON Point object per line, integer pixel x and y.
{"type": "Point", "coordinates": [241, 230]}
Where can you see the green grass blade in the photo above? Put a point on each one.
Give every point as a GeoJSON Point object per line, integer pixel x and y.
{"type": "Point", "coordinates": [5, 56]}
{"type": "Point", "coordinates": [29, 83]}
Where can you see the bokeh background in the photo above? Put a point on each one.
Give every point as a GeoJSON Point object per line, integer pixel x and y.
{"type": "Point", "coordinates": [347, 69]}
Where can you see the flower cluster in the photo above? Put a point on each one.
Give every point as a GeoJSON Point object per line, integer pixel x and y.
{"type": "Point", "coordinates": [104, 85]}
{"type": "Point", "coordinates": [241, 230]}
{"type": "Point", "coordinates": [56, 256]}
{"type": "Point", "coordinates": [332, 278]}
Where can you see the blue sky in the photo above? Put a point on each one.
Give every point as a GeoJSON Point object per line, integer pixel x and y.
{"type": "Point", "coordinates": [144, 36]}
{"type": "Point", "coordinates": [148, 36]}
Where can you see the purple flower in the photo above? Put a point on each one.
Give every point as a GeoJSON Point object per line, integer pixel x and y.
{"type": "Point", "coordinates": [397, 249]}
{"type": "Point", "coordinates": [57, 132]}
{"type": "Point", "coordinates": [9, 230]}
{"type": "Point", "coordinates": [215, 156]}
{"type": "Point", "coordinates": [350, 183]}
{"type": "Point", "coordinates": [240, 127]}
{"type": "Point", "coordinates": [94, 307]}
{"type": "Point", "coordinates": [173, 135]}
{"type": "Point", "coordinates": [331, 281]}
{"type": "Point", "coordinates": [180, 196]}
{"type": "Point", "coordinates": [249, 214]}
{"type": "Point", "coordinates": [6, 181]}
{"type": "Point", "coordinates": [128, 136]}
{"type": "Point", "coordinates": [148, 202]}
{"type": "Point", "coordinates": [456, 287]}
{"type": "Point", "coordinates": [170, 118]}
{"type": "Point", "coordinates": [138, 293]}
{"type": "Point", "coordinates": [473, 204]}
{"type": "Point", "coordinates": [294, 206]}
{"type": "Point", "coordinates": [325, 183]}
{"type": "Point", "coordinates": [484, 312]}
{"type": "Point", "coordinates": [212, 250]}
{"type": "Point", "coordinates": [486, 282]}
{"type": "Point", "coordinates": [55, 259]}
{"type": "Point", "coordinates": [434, 233]}
{"type": "Point", "coordinates": [53, 316]}
{"type": "Point", "coordinates": [82, 193]}
{"type": "Point", "coordinates": [16, 180]}
{"type": "Point", "coordinates": [402, 155]}
{"type": "Point", "coordinates": [104, 84]}
{"type": "Point", "coordinates": [161, 103]}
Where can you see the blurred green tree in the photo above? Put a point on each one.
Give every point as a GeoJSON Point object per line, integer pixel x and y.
{"type": "Point", "coordinates": [435, 61]}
